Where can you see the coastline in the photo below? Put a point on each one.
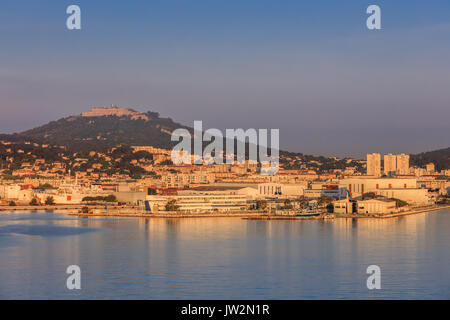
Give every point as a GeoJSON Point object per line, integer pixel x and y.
{"type": "Point", "coordinates": [61, 207]}
{"type": "Point", "coordinates": [133, 212]}
{"type": "Point", "coordinates": [395, 215]}
{"type": "Point", "coordinates": [258, 215]}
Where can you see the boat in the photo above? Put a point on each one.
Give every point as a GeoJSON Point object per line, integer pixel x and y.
{"type": "Point", "coordinates": [309, 213]}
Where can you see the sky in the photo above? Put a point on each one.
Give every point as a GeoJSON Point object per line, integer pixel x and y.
{"type": "Point", "coordinates": [311, 69]}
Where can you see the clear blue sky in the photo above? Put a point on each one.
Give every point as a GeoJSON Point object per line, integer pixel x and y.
{"type": "Point", "coordinates": [309, 68]}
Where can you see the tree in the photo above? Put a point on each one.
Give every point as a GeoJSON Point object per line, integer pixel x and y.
{"type": "Point", "coordinates": [49, 201]}
{"type": "Point", "coordinates": [135, 176]}
{"type": "Point", "coordinates": [261, 204]}
{"type": "Point", "coordinates": [324, 200]}
{"type": "Point", "coordinates": [34, 202]}
{"type": "Point", "coordinates": [45, 186]}
{"type": "Point", "coordinates": [171, 205]}
{"type": "Point", "coordinates": [303, 202]}
{"type": "Point", "coordinates": [87, 199]}
{"type": "Point", "coordinates": [369, 195]}
{"type": "Point", "coordinates": [443, 199]}
{"type": "Point", "coordinates": [111, 198]}
{"type": "Point", "coordinates": [287, 204]}
{"type": "Point", "coordinates": [167, 163]}
{"type": "Point", "coordinates": [143, 155]}
{"type": "Point", "coordinates": [400, 203]}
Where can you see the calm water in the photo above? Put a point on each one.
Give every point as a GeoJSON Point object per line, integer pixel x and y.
{"type": "Point", "coordinates": [223, 258]}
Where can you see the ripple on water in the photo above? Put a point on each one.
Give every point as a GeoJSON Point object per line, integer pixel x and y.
{"type": "Point", "coordinates": [44, 230]}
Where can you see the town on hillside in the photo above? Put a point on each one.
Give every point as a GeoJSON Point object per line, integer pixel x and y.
{"type": "Point", "coordinates": [144, 179]}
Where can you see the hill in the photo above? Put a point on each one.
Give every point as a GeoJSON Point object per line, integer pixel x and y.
{"type": "Point", "coordinates": [440, 158]}
{"type": "Point", "coordinates": [103, 128]}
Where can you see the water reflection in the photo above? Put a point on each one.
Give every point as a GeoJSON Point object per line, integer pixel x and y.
{"type": "Point", "coordinates": [223, 258]}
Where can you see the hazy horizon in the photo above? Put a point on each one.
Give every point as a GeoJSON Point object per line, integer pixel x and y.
{"type": "Point", "coordinates": [312, 70]}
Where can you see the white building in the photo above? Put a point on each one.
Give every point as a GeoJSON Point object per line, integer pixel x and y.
{"type": "Point", "coordinates": [401, 188]}
{"type": "Point", "coordinates": [199, 202]}
{"type": "Point", "coordinates": [358, 186]}
{"type": "Point", "coordinates": [414, 196]}
{"type": "Point", "coordinates": [278, 190]}
{"type": "Point", "coordinates": [9, 191]}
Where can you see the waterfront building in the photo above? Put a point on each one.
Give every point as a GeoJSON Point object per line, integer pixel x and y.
{"type": "Point", "coordinates": [333, 191]}
{"type": "Point", "coordinates": [130, 197]}
{"type": "Point", "coordinates": [9, 191]}
{"type": "Point", "coordinates": [371, 206]}
{"type": "Point", "coordinates": [405, 189]}
{"type": "Point", "coordinates": [278, 190]}
{"type": "Point", "coordinates": [358, 186]}
{"type": "Point", "coordinates": [200, 202]}
{"type": "Point", "coordinates": [413, 196]}
{"type": "Point", "coordinates": [376, 206]}
{"type": "Point", "coordinates": [343, 206]}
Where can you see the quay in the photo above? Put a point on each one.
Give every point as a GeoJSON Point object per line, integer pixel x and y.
{"type": "Point", "coordinates": [135, 212]}
{"type": "Point", "coordinates": [395, 215]}
{"type": "Point", "coordinates": [250, 215]}
{"type": "Point", "coordinates": [173, 214]}
{"type": "Point", "coordinates": [242, 215]}
{"type": "Point", "coordinates": [279, 217]}
{"type": "Point", "coordinates": [63, 207]}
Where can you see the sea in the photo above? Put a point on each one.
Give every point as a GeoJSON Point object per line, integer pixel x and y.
{"type": "Point", "coordinates": [223, 258]}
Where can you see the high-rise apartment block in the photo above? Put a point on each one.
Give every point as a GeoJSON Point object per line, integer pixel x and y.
{"type": "Point", "coordinates": [390, 164]}
{"type": "Point", "coordinates": [396, 164]}
{"type": "Point", "coordinates": [403, 163]}
{"type": "Point", "coordinates": [374, 164]}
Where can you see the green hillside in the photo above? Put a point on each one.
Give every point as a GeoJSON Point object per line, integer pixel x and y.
{"type": "Point", "coordinates": [100, 133]}
{"type": "Point", "coordinates": [440, 158]}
